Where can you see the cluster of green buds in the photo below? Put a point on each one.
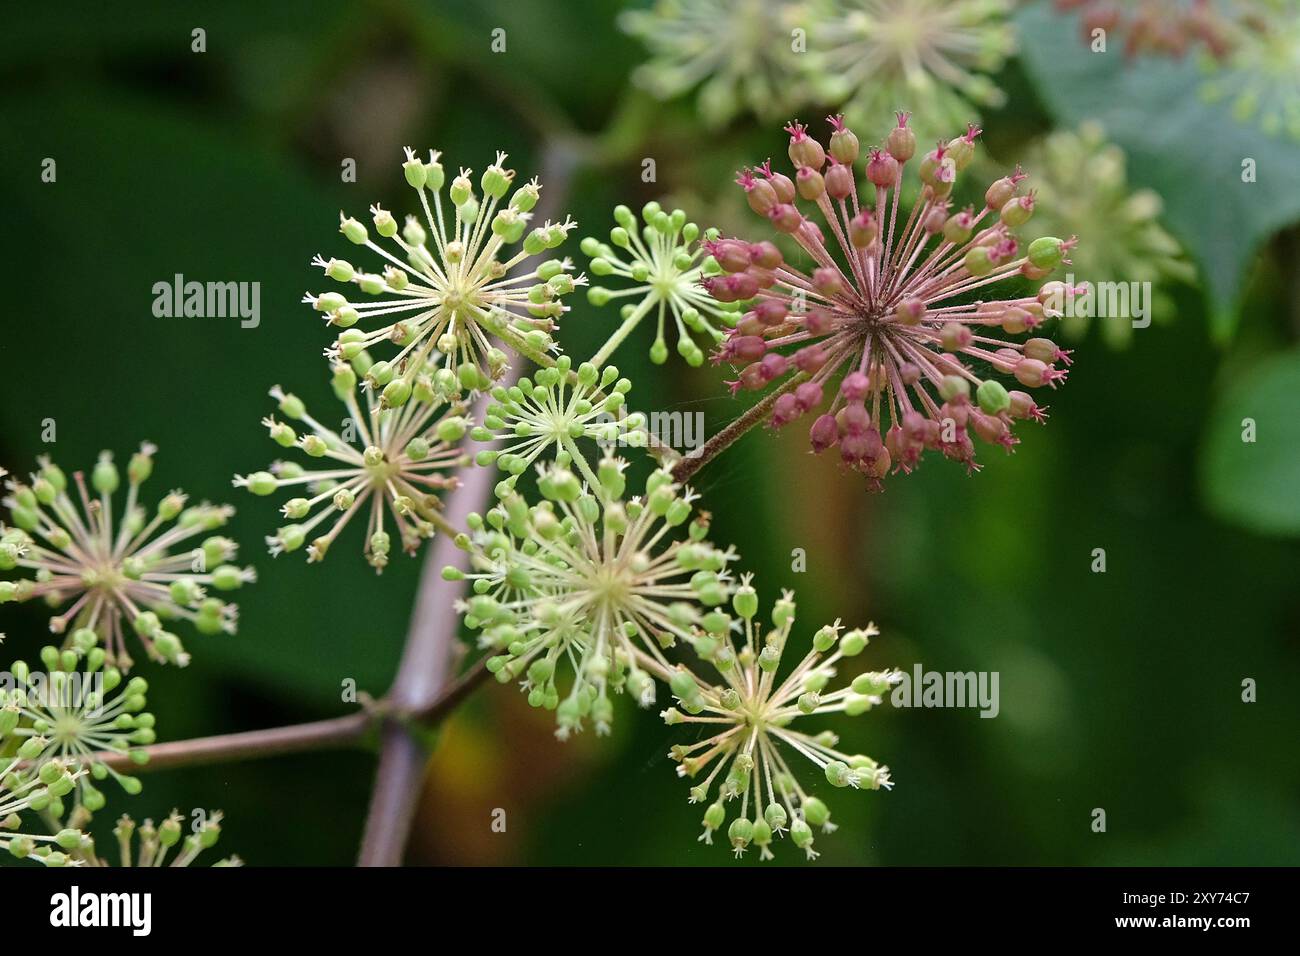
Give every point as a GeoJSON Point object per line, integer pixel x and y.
{"type": "Point", "coordinates": [740, 54]}
{"type": "Point", "coordinates": [665, 259]}
{"type": "Point", "coordinates": [937, 56]}
{"type": "Point", "coordinates": [107, 577]}
{"type": "Point", "coordinates": [588, 582]}
{"type": "Point", "coordinates": [455, 290]}
{"type": "Point", "coordinates": [26, 792]}
{"type": "Point", "coordinates": [389, 461]}
{"type": "Point", "coordinates": [555, 410]}
{"type": "Point", "coordinates": [67, 718]}
{"type": "Point", "coordinates": [164, 844]}
{"type": "Point", "coordinates": [751, 714]}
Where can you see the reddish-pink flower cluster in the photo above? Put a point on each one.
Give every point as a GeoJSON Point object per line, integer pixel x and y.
{"type": "Point", "coordinates": [890, 312]}
{"type": "Point", "coordinates": [1168, 27]}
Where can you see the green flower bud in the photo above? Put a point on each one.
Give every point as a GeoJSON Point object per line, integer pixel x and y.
{"type": "Point", "coordinates": [837, 775]}
{"type": "Point", "coordinates": [353, 231]}
{"type": "Point", "coordinates": [105, 478]}
{"type": "Point", "coordinates": [227, 578]}
{"type": "Point", "coordinates": [1047, 252]}
{"type": "Point", "coordinates": [740, 833]}
{"type": "Point", "coordinates": [261, 483]}
{"type": "Point", "coordinates": [816, 812]}
{"type": "Point", "coordinates": [992, 397]}
{"type": "Point", "coordinates": [853, 643]}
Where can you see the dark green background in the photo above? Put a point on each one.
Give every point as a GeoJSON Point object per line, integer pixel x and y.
{"type": "Point", "coordinates": [1119, 690]}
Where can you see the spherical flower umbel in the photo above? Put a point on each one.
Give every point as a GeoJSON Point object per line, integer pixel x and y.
{"type": "Point", "coordinates": [71, 713]}
{"type": "Point", "coordinates": [454, 287]}
{"type": "Point", "coordinates": [875, 330]}
{"type": "Point", "coordinates": [588, 583]}
{"type": "Point", "coordinates": [555, 410]}
{"type": "Point", "coordinates": [933, 54]}
{"type": "Point", "coordinates": [748, 721]}
{"type": "Point", "coordinates": [666, 259]}
{"type": "Point", "coordinates": [386, 463]}
{"type": "Point", "coordinates": [136, 573]}
{"type": "Point", "coordinates": [741, 54]}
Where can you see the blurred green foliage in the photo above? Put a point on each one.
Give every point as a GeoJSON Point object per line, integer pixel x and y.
{"type": "Point", "coordinates": [1119, 690]}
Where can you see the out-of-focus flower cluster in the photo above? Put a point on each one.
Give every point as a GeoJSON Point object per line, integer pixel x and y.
{"type": "Point", "coordinates": [866, 56]}
{"type": "Point", "coordinates": [1165, 27]}
{"type": "Point", "coordinates": [1249, 49]}
{"type": "Point", "coordinates": [1259, 76]}
{"type": "Point", "coordinates": [739, 54]}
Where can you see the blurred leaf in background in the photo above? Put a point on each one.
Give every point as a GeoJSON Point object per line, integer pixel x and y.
{"type": "Point", "coordinates": [1251, 463]}
{"type": "Point", "coordinates": [1227, 185]}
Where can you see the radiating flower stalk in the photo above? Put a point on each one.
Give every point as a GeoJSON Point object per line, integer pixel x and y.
{"type": "Point", "coordinates": [24, 794]}
{"type": "Point", "coordinates": [56, 725]}
{"type": "Point", "coordinates": [748, 721]}
{"type": "Point", "coordinates": [888, 307]}
{"type": "Point", "coordinates": [555, 410]}
{"type": "Point", "coordinates": [164, 844]}
{"type": "Point", "coordinates": [453, 294]}
{"type": "Point", "coordinates": [587, 583]}
{"type": "Point", "coordinates": [388, 463]}
{"type": "Point", "coordinates": [666, 259]}
{"type": "Point", "coordinates": [73, 713]}
{"type": "Point", "coordinates": [111, 576]}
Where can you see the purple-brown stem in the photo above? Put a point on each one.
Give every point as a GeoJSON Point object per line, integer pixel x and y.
{"type": "Point", "coordinates": [426, 661]}
{"type": "Point", "coordinates": [755, 415]}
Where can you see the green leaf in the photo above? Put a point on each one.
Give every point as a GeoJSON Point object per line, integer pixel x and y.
{"type": "Point", "coordinates": [1189, 151]}
{"type": "Point", "coordinates": [1256, 483]}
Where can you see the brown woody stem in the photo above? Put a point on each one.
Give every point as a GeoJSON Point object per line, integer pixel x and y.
{"type": "Point", "coordinates": [757, 414]}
